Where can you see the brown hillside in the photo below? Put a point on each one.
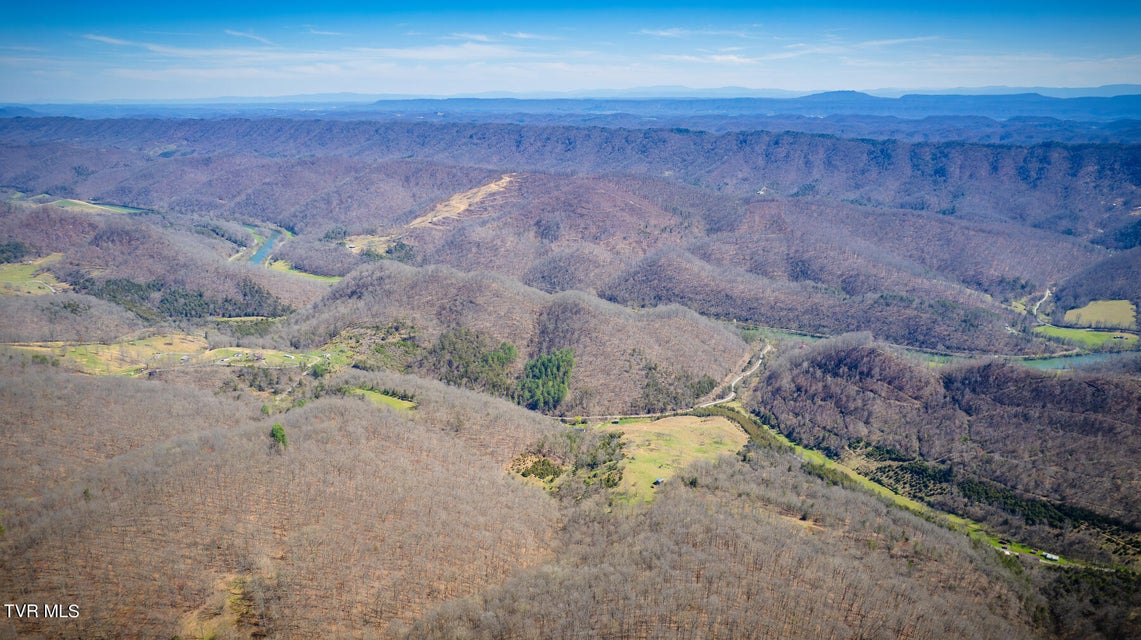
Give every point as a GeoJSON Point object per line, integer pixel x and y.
{"type": "Point", "coordinates": [353, 526]}
{"type": "Point", "coordinates": [612, 344]}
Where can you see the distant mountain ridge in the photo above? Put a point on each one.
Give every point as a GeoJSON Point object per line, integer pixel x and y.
{"type": "Point", "coordinates": [819, 104]}
{"type": "Point", "coordinates": [671, 102]}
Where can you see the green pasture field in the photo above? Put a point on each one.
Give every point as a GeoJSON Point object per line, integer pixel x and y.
{"type": "Point", "coordinates": [1088, 338]}
{"type": "Point", "coordinates": [660, 448]}
{"type": "Point", "coordinates": [28, 278]}
{"type": "Point", "coordinates": [284, 267]}
{"type": "Point", "coordinates": [1109, 314]}
{"type": "Point", "coordinates": [382, 400]}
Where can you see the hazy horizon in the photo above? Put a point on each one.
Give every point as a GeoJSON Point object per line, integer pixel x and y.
{"type": "Point", "coordinates": [631, 93]}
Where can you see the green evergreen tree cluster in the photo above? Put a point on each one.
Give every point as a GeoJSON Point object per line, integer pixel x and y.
{"type": "Point", "coordinates": [467, 359]}
{"type": "Point", "coordinates": [277, 433]}
{"type": "Point", "coordinates": [545, 380]}
{"type": "Point", "coordinates": [14, 251]}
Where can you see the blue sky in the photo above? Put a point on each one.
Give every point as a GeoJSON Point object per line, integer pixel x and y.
{"type": "Point", "coordinates": [65, 51]}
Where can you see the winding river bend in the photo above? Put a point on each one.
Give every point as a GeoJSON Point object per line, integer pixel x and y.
{"type": "Point", "coordinates": [263, 252]}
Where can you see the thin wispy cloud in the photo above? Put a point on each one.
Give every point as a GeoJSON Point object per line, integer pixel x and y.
{"type": "Point", "coordinates": [108, 40]}
{"type": "Point", "coordinates": [254, 55]}
{"type": "Point", "coordinates": [251, 36]}
{"type": "Point", "coordinates": [210, 73]}
{"type": "Point", "coordinates": [312, 30]}
{"type": "Point", "coordinates": [478, 37]}
{"type": "Point", "coordinates": [468, 51]}
{"type": "Point", "coordinates": [519, 35]}
{"type": "Point", "coordinates": [681, 32]}
{"type": "Point", "coordinates": [666, 33]}
{"type": "Point", "coordinates": [716, 58]}
{"type": "Point", "coordinates": [897, 41]}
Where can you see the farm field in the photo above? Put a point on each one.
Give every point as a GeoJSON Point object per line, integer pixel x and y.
{"type": "Point", "coordinates": [1089, 338]}
{"type": "Point", "coordinates": [127, 357]}
{"type": "Point", "coordinates": [285, 267]}
{"type": "Point", "coordinates": [660, 448]}
{"type": "Point", "coordinates": [1116, 314]}
{"type": "Point", "coordinates": [27, 279]}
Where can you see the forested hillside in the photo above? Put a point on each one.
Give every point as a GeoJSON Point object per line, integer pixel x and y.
{"type": "Point", "coordinates": [1059, 187]}
{"type": "Point", "coordinates": [616, 350]}
{"type": "Point", "coordinates": [301, 377]}
{"type": "Point", "coordinates": [1051, 458]}
{"type": "Point", "coordinates": [807, 232]}
{"type": "Point", "coordinates": [285, 541]}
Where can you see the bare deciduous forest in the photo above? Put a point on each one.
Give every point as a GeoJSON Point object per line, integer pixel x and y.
{"type": "Point", "coordinates": [365, 377]}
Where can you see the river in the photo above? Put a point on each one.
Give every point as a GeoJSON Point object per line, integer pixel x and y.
{"type": "Point", "coordinates": [1076, 361]}
{"type": "Point", "coordinates": [263, 252]}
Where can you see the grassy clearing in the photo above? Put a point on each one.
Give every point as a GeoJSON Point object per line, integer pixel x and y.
{"type": "Point", "coordinates": [1109, 314]}
{"type": "Point", "coordinates": [622, 421]}
{"type": "Point", "coordinates": [361, 243]}
{"type": "Point", "coordinates": [92, 207]}
{"type": "Point", "coordinates": [284, 267]}
{"type": "Point", "coordinates": [228, 611]}
{"type": "Point", "coordinates": [29, 278]}
{"type": "Point", "coordinates": [383, 400]}
{"type": "Point", "coordinates": [127, 357]}
{"type": "Point", "coordinates": [72, 204]}
{"type": "Point", "coordinates": [132, 356]}
{"type": "Point", "coordinates": [248, 357]}
{"type": "Point", "coordinates": [1089, 338]}
{"type": "Point", "coordinates": [256, 232]}
{"type": "Point", "coordinates": [660, 448]}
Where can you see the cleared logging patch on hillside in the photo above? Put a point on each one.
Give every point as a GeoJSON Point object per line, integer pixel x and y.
{"type": "Point", "coordinates": [456, 206]}
{"type": "Point", "coordinates": [1109, 314]}
{"type": "Point", "coordinates": [662, 448]}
